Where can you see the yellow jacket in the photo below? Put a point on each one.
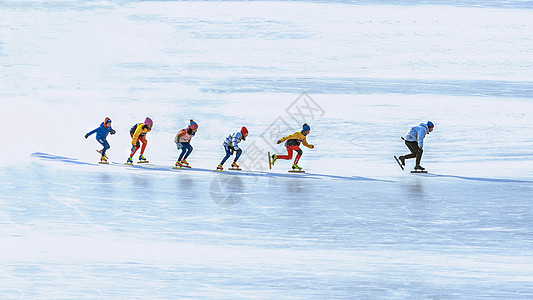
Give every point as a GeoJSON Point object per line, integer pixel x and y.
{"type": "Point", "coordinates": [297, 137]}
{"type": "Point", "coordinates": [138, 132]}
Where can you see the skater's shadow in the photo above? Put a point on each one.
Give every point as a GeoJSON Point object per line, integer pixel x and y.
{"type": "Point", "coordinates": [59, 158]}
{"type": "Point", "coordinates": [502, 180]}
{"type": "Point", "coordinates": [153, 167]}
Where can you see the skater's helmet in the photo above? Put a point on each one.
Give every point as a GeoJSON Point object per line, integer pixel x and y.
{"type": "Point", "coordinates": [244, 130]}
{"type": "Point", "coordinates": [430, 124]}
{"type": "Point", "coordinates": [107, 120]}
{"type": "Point", "coordinates": [306, 128]}
{"type": "Point", "coordinates": [193, 125]}
{"type": "Point", "coordinates": [148, 121]}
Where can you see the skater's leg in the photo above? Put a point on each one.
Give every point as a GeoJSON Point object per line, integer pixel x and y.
{"type": "Point", "coordinates": [189, 150]}
{"type": "Point", "coordinates": [143, 140]}
{"type": "Point", "coordinates": [105, 144]}
{"type": "Point", "coordinates": [184, 150]}
{"type": "Point", "coordinates": [289, 153]}
{"type": "Point", "coordinates": [134, 149]}
{"type": "Point", "coordinates": [228, 154]}
{"type": "Point", "coordinates": [298, 155]}
{"type": "Point", "coordinates": [239, 152]}
{"type": "Point", "coordinates": [419, 156]}
{"type": "Point", "coordinates": [413, 147]}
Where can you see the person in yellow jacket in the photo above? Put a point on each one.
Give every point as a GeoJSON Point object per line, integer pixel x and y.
{"type": "Point", "coordinates": [293, 144]}
{"type": "Point", "coordinates": [138, 135]}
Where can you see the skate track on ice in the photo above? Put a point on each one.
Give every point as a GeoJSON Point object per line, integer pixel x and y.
{"type": "Point", "coordinates": [155, 167]}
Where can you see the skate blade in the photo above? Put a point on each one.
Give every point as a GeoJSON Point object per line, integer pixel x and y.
{"type": "Point", "coordinates": [129, 164]}
{"type": "Point", "coordinates": [143, 162]}
{"type": "Point", "coordinates": [103, 162]}
{"type": "Point", "coordinates": [177, 168]}
{"type": "Point", "coordinates": [296, 171]}
{"type": "Point", "coordinates": [399, 162]}
{"type": "Point", "coordinates": [235, 169]}
{"type": "Point", "coordinates": [419, 171]}
{"type": "Point", "coordinates": [218, 170]}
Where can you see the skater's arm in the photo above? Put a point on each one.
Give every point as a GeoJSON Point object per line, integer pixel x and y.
{"type": "Point", "coordinates": [136, 134]}
{"type": "Point", "coordinates": [90, 133]}
{"type": "Point", "coordinates": [421, 135]}
{"type": "Point", "coordinates": [235, 141]}
{"type": "Point", "coordinates": [305, 143]}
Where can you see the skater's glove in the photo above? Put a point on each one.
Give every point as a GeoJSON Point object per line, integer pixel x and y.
{"type": "Point", "coordinates": [279, 142]}
{"type": "Point", "coordinates": [311, 146]}
{"type": "Point", "coordinates": [86, 135]}
{"type": "Point", "coordinates": [112, 132]}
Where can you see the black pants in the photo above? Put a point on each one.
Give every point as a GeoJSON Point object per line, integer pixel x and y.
{"type": "Point", "coordinates": [415, 152]}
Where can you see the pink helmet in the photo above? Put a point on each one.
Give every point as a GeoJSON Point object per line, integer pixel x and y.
{"type": "Point", "coordinates": [148, 121]}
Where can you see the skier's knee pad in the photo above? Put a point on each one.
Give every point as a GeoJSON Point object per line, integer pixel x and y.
{"type": "Point", "coordinates": [300, 152]}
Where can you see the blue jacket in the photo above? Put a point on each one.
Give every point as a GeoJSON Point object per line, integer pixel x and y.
{"type": "Point", "coordinates": [417, 134]}
{"type": "Point", "coordinates": [102, 131]}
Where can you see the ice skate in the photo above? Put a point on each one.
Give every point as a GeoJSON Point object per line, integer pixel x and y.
{"type": "Point", "coordinates": [129, 161]}
{"type": "Point", "coordinates": [419, 169]}
{"type": "Point", "coordinates": [296, 168]}
{"type": "Point", "coordinates": [235, 166]}
{"type": "Point", "coordinates": [142, 159]}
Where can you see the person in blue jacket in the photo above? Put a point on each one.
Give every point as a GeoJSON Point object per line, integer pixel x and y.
{"type": "Point", "coordinates": [414, 140]}
{"type": "Point", "coordinates": [101, 136]}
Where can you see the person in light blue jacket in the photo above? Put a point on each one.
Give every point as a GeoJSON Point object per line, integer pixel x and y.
{"type": "Point", "coordinates": [414, 140]}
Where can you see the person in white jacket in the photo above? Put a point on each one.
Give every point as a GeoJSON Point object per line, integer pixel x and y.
{"type": "Point", "coordinates": [414, 140]}
{"type": "Point", "coordinates": [231, 145]}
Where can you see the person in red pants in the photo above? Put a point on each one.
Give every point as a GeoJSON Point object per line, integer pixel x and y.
{"type": "Point", "coordinates": [293, 144]}
{"type": "Point", "coordinates": [138, 135]}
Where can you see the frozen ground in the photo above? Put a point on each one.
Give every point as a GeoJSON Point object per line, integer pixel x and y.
{"type": "Point", "coordinates": [353, 226]}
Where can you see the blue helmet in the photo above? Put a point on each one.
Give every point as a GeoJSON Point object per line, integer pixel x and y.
{"type": "Point", "coordinates": [306, 127]}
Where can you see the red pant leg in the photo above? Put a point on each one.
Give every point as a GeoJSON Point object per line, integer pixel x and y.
{"type": "Point", "coordinates": [289, 153]}
{"type": "Point", "coordinates": [290, 149]}
{"type": "Point", "coordinates": [143, 140]}
{"type": "Point", "coordinates": [299, 151]}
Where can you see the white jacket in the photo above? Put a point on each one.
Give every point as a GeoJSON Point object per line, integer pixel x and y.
{"type": "Point", "coordinates": [233, 140]}
{"type": "Point", "coordinates": [417, 134]}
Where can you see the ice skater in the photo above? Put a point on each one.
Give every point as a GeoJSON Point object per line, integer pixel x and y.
{"type": "Point", "coordinates": [138, 135]}
{"type": "Point", "coordinates": [231, 145]}
{"type": "Point", "coordinates": [182, 140]}
{"type": "Point", "coordinates": [293, 144]}
{"type": "Point", "coordinates": [414, 140]}
{"type": "Point", "coordinates": [101, 137]}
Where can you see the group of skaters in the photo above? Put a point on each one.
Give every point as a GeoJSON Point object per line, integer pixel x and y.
{"type": "Point", "coordinates": [414, 140]}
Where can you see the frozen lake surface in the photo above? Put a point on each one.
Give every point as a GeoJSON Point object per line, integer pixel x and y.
{"type": "Point", "coordinates": [354, 226]}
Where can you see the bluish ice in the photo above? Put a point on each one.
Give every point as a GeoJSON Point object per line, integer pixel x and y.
{"type": "Point", "coordinates": [354, 226]}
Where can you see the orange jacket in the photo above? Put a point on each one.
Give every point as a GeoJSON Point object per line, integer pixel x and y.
{"type": "Point", "coordinates": [298, 137]}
